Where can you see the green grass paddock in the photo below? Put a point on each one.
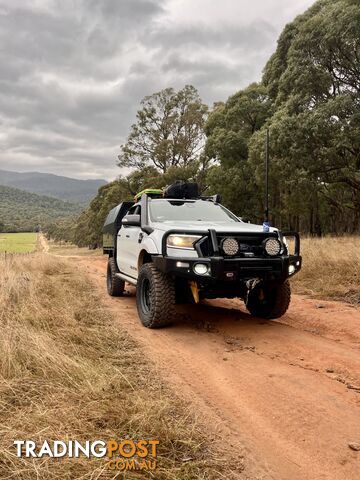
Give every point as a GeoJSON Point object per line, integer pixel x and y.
{"type": "Point", "coordinates": [17, 242]}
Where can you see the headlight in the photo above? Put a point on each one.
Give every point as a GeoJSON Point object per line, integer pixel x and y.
{"type": "Point", "coordinates": [230, 246]}
{"type": "Point", "coordinates": [182, 241]}
{"type": "Point", "coordinates": [272, 246]}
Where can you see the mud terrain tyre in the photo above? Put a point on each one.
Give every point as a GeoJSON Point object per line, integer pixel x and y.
{"type": "Point", "coordinates": [115, 286]}
{"type": "Point", "coordinates": [269, 302]}
{"type": "Point", "coordinates": [155, 297]}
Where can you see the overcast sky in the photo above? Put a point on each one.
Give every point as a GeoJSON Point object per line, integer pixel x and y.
{"type": "Point", "coordinates": [72, 72]}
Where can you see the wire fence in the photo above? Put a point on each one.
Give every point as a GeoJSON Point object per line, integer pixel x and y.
{"type": "Point", "coordinates": [9, 255]}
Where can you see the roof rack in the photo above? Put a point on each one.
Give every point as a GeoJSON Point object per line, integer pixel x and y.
{"type": "Point", "coordinates": [179, 190]}
{"type": "Point", "coordinates": [213, 198]}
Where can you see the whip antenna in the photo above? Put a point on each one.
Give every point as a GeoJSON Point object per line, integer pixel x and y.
{"type": "Point", "coordinates": [266, 223]}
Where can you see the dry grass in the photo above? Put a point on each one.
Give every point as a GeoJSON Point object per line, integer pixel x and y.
{"type": "Point", "coordinates": [68, 249]}
{"type": "Point", "coordinates": [67, 373]}
{"type": "Point", "coordinates": [331, 268]}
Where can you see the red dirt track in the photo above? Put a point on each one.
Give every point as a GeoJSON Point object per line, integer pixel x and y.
{"type": "Point", "coordinates": [283, 394]}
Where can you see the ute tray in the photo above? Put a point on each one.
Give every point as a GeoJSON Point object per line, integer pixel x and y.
{"type": "Point", "coordinates": [112, 225]}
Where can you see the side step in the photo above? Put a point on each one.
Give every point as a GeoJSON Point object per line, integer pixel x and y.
{"type": "Point", "coordinates": [126, 278]}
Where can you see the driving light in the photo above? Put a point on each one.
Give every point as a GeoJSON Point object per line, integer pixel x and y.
{"type": "Point", "coordinates": [291, 269]}
{"type": "Point", "coordinates": [182, 241]}
{"type": "Point", "coordinates": [201, 268]}
{"type": "Point", "coordinates": [230, 246]}
{"type": "Point", "coordinates": [272, 246]}
{"type": "Point", "coordinates": [182, 265]}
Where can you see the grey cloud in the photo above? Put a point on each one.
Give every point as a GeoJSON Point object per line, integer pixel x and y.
{"type": "Point", "coordinates": [217, 60]}
{"type": "Point", "coordinates": [213, 78]}
{"type": "Point", "coordinates": [252, 36]}
{"type": "Point", "coordinates": [128, 10]}
{"type": "Point", "coordinates": [73, 74]}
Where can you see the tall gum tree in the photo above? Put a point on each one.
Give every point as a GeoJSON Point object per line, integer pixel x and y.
{"type": "Point", "coordinates": [169, 131]}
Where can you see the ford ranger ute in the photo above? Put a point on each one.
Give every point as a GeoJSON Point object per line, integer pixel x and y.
{"type": "Point", "coordinates": [177, 247]}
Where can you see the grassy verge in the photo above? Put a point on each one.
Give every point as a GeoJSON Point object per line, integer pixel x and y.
{"type": "Point", "coordinates": [331, 269]}
{"type": "Point", "coordinates": [17, 242]}
{"type": "Point", "coordinates": [68, 373]}
{"type": "Point", "coordinates": [68, 249]}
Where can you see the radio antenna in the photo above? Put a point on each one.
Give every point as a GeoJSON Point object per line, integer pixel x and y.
{"type": "Point", "coordinates": [266, 223]}
{"type": "Point", "coordinates": [267, 141]}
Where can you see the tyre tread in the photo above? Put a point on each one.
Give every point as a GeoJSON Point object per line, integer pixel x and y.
{"type": "Point", "coordinates": [163, 297]}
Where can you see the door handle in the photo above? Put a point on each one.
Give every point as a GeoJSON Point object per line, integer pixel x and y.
{"type": "Point", "coordinates": [127, 236]}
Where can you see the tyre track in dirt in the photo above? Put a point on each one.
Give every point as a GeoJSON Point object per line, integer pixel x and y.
{"type": "Point", "coordinates": [277, 392]}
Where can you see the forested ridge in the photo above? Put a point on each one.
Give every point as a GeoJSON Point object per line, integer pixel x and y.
{"type": "Point", "coordinates": [22, 211]}
{"type": "Point", "coordinates": [57, 186]}
{"type": "Point", "coordinates": [308, 99]}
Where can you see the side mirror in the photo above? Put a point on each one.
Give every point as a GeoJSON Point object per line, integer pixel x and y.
{"type": "Point", "coordinates": [131, 221]}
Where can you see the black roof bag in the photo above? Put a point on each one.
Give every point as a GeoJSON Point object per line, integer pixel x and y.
{"type": "Point", "coordinates": [182, 189]}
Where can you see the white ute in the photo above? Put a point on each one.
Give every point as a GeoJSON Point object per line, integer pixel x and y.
{"type": "Point", "coordinates": [178, 247]}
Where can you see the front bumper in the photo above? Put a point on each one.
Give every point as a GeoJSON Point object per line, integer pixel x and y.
{"type": "Point", "coordinates": [231, 270]}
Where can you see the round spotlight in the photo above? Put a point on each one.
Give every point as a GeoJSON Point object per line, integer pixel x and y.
{"type": "Point", "coordinates": [200, 268]}
{"type": "Point", "coordinates": [230, 246]}
{"type": "Point", "coordinates": [272, 246]}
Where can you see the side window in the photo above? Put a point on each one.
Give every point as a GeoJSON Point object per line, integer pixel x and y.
{"type": "Point", "coordinates": [135, 210]}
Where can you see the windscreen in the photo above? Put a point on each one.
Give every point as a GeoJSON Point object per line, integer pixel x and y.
{"type": "Point", "coordinates": [189, 211]}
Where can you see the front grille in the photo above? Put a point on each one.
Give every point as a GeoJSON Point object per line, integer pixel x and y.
{"type": "Point", "coordinates": [249, 244]}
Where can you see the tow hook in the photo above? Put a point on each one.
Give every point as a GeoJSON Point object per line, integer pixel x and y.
{"type": "Point", "coordinates": [250, 285]}
{"type": "Point", "coordinates": [194, 291]}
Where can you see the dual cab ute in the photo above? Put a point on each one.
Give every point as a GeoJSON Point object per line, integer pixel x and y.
{"type": "Point", "coordinates": [177, 247]}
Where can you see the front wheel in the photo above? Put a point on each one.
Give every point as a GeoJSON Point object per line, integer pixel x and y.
{"type": "Point", "coordinates": [269, 301]}
{"type": "Point", "coordinates": [155, 297]}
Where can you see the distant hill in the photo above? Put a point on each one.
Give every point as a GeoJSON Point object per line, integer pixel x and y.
{"type": "Point", "coordinates": [64, 188]}
{"type": "Point", "coordinates": [23, 211]}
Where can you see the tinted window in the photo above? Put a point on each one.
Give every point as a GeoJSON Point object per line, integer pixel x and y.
{"type": "Point", "coordinates": [191, 211]}
{"type": "Point", "coordinates": [135, 210]}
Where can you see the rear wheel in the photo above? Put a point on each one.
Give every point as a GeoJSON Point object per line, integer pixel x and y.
{"type": "Point", "coordinates": [115, 286]}
{"type": "Point", "coordinates": [269, 301]}
{"type": "Point", "coordinates": [155, 297]}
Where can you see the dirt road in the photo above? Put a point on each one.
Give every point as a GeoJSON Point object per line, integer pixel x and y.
{"type": "Point", "coordinates": [42, 244]}
{"type": "Point", "coordinates": [285, 395]}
